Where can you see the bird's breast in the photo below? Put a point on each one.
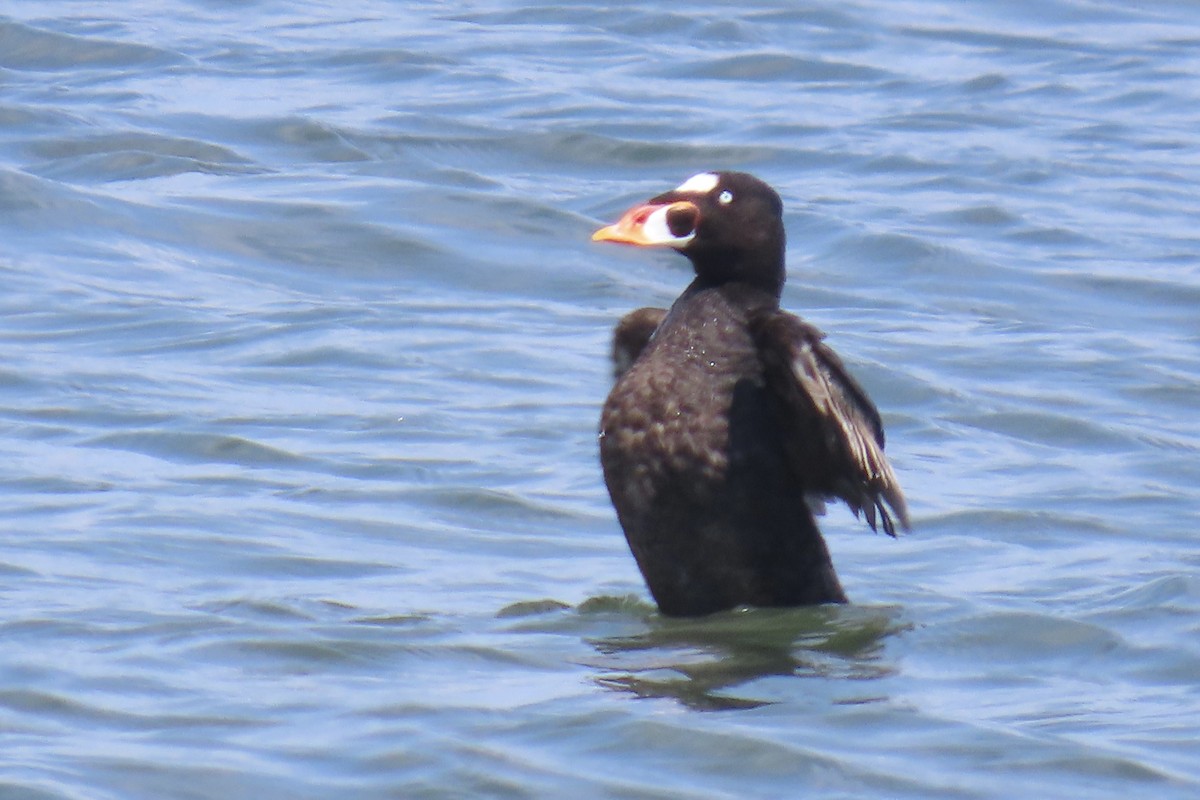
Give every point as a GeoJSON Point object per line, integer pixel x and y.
{"type": "Point", "coordinates": [666, 422]}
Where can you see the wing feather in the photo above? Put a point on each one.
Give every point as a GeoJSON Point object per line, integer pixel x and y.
{"type": "Point", "coordinates": [834, 433]}
{"type": "Point", "coordinates": [632, 334]}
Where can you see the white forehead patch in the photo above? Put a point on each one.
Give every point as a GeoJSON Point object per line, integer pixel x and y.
{"type": "Point", "coordinates": [704, 182]}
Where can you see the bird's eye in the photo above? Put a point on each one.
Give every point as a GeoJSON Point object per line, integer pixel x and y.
{"type": "Point", "coordinates": [725, 197]}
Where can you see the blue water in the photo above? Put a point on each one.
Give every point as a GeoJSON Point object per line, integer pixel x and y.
{"type": "Point", "coordinates": [305, 344]}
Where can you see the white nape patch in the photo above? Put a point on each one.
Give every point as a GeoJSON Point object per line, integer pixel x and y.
{"type": "Point", "coordinates": [656, 230]}
{"type": "Point", "coordinates": [704, 182]}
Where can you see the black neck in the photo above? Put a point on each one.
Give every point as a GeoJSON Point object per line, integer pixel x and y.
{"type": "Point", "coordinates": [763, 271]}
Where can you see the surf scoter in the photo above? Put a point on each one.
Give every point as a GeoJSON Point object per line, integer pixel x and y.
{"type": "Point", "coordinates": [730, 419]}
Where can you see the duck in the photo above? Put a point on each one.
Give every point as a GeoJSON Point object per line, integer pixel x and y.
{"type": "Point", "coordinates": [730, 421]}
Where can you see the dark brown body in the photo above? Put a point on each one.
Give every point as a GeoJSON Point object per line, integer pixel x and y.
{"type": "Point", "coordinates": [698, 471]}
{"type": "Point", "coordinates": [730, 416]}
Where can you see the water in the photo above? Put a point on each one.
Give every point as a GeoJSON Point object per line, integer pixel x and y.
{"type": "Point", "coordinates": [305, 344]}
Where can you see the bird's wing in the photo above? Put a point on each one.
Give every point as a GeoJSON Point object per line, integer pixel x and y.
{"type": "Point", "coordinates": [631, 336]}
{"type": "Point", "coordinates": [833, 432]}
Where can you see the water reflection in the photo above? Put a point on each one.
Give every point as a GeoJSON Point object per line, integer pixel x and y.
{"type": "Point", "coordinates": [699, 661]}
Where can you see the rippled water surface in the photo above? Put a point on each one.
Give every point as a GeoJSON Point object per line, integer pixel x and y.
{"type": "Point", "coordinates": [305, 344]}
